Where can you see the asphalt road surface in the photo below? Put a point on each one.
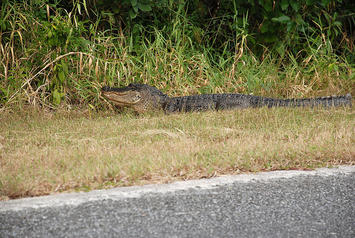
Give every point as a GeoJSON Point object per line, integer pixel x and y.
{"type": "Point", "coordinates": [318, 203]}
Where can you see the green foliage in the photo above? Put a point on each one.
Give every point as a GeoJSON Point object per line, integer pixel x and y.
{"type": "Point", "coordinates": [55, 52]}
{"type": "Point", "coordinates": [129, 9]}
{"type": "Point", "coordinates": [58, 82]}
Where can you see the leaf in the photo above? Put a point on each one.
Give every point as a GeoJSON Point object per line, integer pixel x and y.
{"type": "Point", "coordinates": [134, 3]}
{"type": "Point", "coordinates": [61, 76]}
{"type": "Point", "coordinates": [85, 7]}
{"type": "Point", "coordinates": [299, 20]}
{"type": "Point", "coordinates": [79, 8]}
{"type": "Point", "coordinates": [3, 25]}
{"type": "Point", "coordinates": [65, 67]}
{"type": "Point", "coordinates": [56, 97]}
{"type": "Point", "coordinates": [290, 26]}
{"type": "Point", "coordinates": [281, 19]}
{"type": "Point", "coordinates": [295, 5]}
{"type": "Point", "coordinates": [132, 14]}
{"type": "Point", "coordinates": [264, 28]}
{"type": "Point", "coordinates": [280, 48]}
{"type": "Point", "coordinates": [284, 4]}
{"type": "Point", "coordinates": [267, 6]}
{"type": "Point", "coordinates": [332, 67]}
{"type": "Point", "coordinates": [270, 38]}
{"type": "Point", "coordinates": [309, 2]}
{"type": "Point", "coordinates": [267, 26]}
{"type": "Point", "coordinates": [91, 106]}
{"type": "Point", "coordinates": [144, 7]}
{"type": "Point", "coordinates": [337, 23]}
{"type": "Point", "coordinates": [325, 3]}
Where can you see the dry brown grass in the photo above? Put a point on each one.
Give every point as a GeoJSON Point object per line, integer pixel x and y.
{"type": "Point", "coordinates": [44, 153]}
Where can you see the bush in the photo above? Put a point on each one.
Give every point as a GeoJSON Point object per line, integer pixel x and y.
{"type": "Point", "coordinates": [55, 52]}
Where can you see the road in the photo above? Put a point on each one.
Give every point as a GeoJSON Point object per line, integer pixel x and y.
{"type": "Point", "coordinates": [318, 203]}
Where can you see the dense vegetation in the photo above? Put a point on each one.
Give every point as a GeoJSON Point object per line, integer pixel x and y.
{"type": "Point", "coordinates": [61, 52]}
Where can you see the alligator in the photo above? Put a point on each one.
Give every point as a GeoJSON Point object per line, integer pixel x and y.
{"type": "Point", "coordinates": [142, 98]}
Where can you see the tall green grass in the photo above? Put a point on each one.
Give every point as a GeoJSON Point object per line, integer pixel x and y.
{"type": "Point", "coordinates": [50, 57]}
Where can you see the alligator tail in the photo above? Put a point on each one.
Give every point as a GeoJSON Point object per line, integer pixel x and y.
{"type": "Point", "coordinates": [331, 101]}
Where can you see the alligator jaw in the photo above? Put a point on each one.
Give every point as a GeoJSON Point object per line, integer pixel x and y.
{"type": "Point", "coordinates": [123, 99]}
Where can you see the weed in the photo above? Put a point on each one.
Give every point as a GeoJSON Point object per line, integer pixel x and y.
{"type": "Point", "coordinates": [54, 152]}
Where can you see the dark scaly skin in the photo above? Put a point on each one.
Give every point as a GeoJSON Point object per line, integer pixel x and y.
{"type": "Point", "coordinates": [142, 98]}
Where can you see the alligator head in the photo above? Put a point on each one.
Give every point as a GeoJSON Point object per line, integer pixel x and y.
{"type": "Point", "coordinates": [139, 97]}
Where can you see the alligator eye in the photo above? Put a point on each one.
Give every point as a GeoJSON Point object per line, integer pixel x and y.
{"type": "Point", "coordinates": [137, 97]}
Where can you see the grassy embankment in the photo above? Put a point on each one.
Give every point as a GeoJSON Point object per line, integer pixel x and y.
{"type": "Point", "coordinates": [43, 153]}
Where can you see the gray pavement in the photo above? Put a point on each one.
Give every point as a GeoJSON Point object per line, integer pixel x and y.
{"type": "Point", "coordinates": [318, 203]}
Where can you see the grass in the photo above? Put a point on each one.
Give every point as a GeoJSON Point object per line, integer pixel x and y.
{"type": "Point", "coordinates": [44, 153]}
{"type": "Point", "coordinates": [56, 60]}
{"type": "Point", "coordinates": [59, 61]}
